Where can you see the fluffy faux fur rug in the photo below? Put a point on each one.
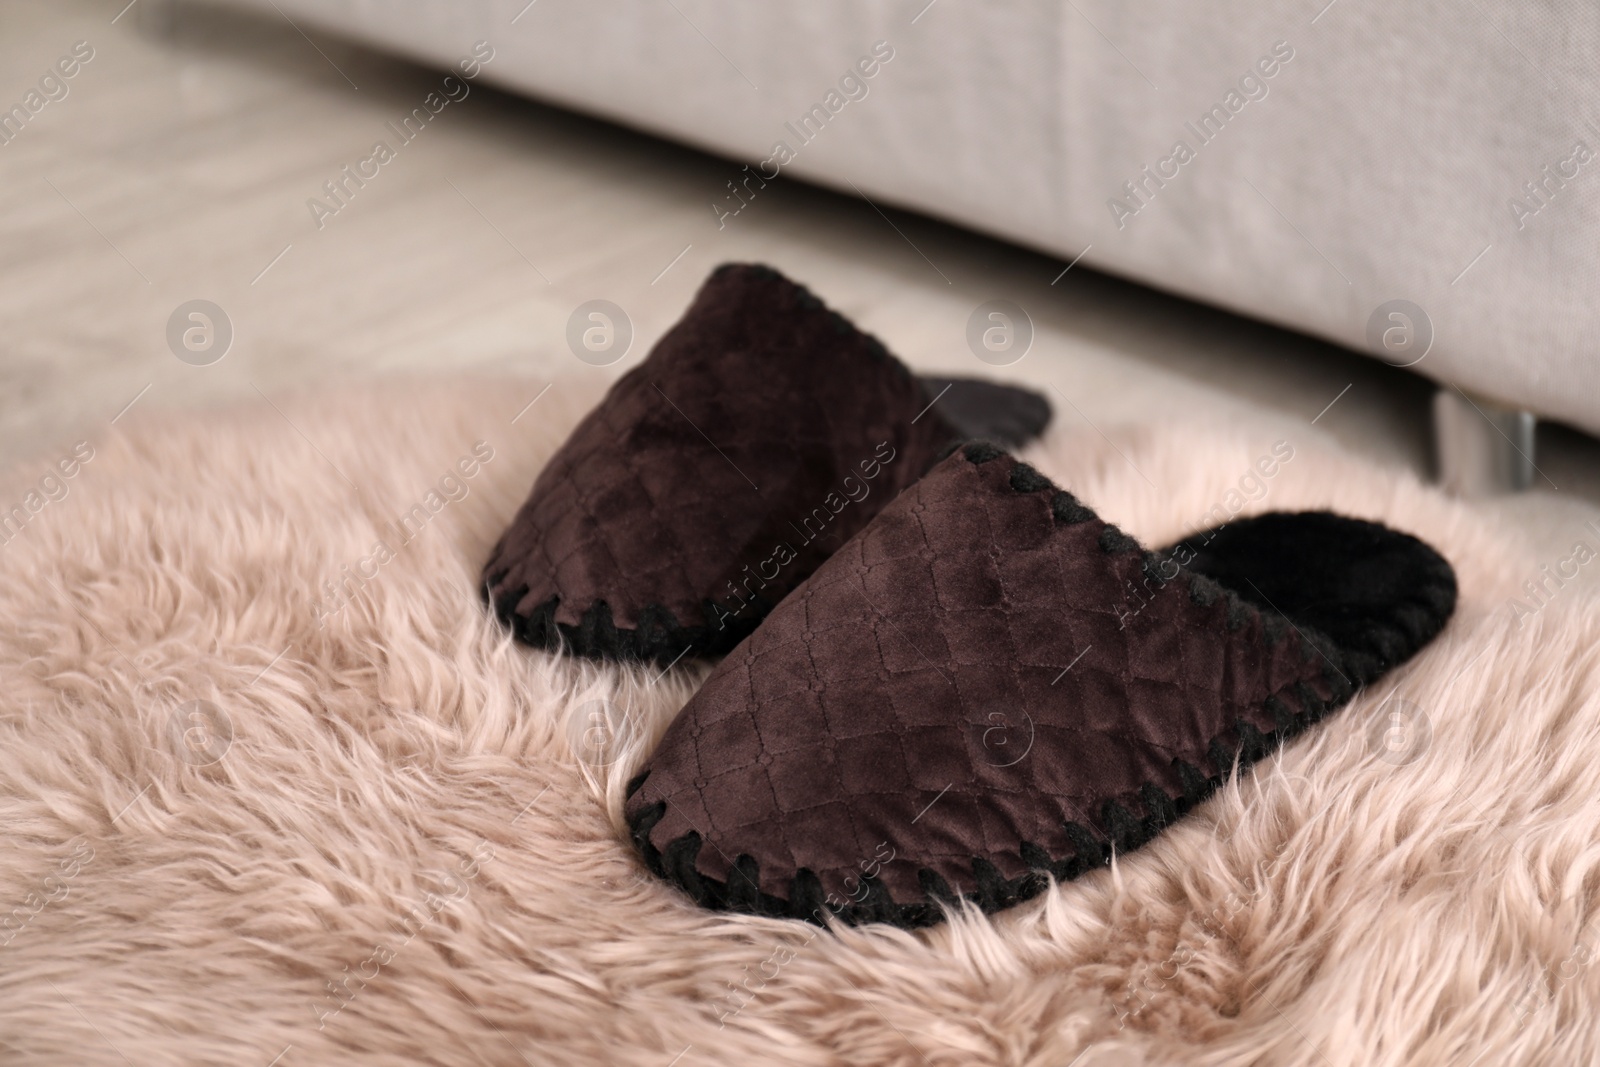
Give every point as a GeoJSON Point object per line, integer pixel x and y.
{"type": "Point", "coordinates": [275, 785]}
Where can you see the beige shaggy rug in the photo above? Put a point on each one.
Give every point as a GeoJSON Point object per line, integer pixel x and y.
{"type": "Point", "coordinates": [274, 793]}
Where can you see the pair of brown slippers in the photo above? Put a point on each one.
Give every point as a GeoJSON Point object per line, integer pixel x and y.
{"type": "Point", "coordinates": [942, 677]}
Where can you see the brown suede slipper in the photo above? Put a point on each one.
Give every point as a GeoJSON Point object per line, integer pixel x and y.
{"type": "Point", "coordinates": [758, 436]}
{"type": "Point", "coordinates": [990, 688]}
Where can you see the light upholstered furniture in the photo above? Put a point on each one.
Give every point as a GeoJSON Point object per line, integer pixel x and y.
{"type": "Point", "coordinates": [1310, 164]}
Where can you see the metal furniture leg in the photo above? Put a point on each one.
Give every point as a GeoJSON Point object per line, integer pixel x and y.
{"type": "Point", "coordinates": [1481, 448]}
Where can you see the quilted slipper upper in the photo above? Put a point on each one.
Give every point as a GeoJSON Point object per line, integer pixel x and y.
{"type": "Point", "coordinates": [988, 687]}
{"type": "Point", "coordinates": [762, 431]}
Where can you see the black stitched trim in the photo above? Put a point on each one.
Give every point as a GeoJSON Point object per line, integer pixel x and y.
{"type": "Point", "coordinates": [1114, 541]}
{"type": "Point", "coordinates": [1067, 510]}
{"type": "Point", "coordinates": [1239, 612]}
{"type": "Point", "coordinates": [1024, 479]}
{"type": "Point", "coordinates": [981, 452]}
{"type": "Point", "coordinates": [1125, 831]}
{"type": "Point", "coordinates": [658, 637]}
{"type": "Point", "coordinates": [1203, 590]}
{"type": "Point", "coordinates": [1237, 746]}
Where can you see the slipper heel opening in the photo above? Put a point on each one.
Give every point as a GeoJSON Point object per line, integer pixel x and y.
{"type": "Point", "coordinates": [1378, 595]}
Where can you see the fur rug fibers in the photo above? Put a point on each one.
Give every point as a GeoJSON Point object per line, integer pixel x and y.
{"type": "Point", "coordinates": [410, 850]}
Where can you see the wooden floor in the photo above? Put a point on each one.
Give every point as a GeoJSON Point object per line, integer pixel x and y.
{"type": "Point", "coordinates": [180, 164]}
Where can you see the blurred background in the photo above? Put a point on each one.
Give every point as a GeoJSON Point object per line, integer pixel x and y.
{"type": "Point", "coordinates": [560, 152]}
